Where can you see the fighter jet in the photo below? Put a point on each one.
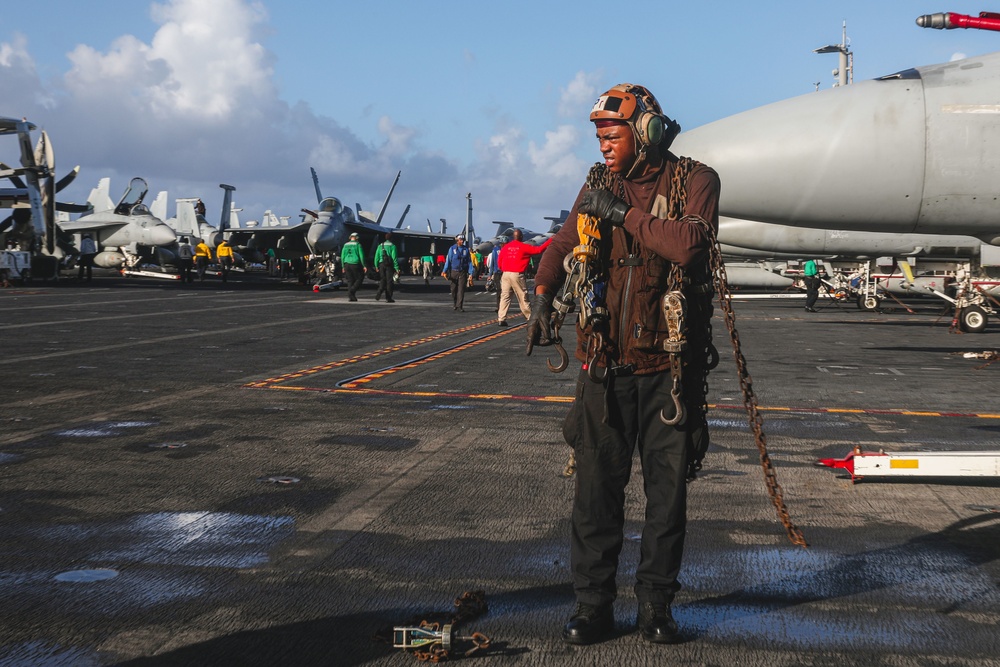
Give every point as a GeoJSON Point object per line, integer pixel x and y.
{"type": "Point", "coordinates": [915, 151]}
{"type": "Point", "coordinates": [333, 223]}
{"type": "Point", "coordinates": [126, 232]}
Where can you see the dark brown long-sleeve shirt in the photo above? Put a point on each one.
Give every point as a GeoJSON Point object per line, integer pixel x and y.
{"type": "Point", "coordinates": [637, 274]}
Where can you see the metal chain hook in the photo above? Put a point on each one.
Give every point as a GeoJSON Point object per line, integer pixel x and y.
{"type": "Point", "coordinates": [679, 412]}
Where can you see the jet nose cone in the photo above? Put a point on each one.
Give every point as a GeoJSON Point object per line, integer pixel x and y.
{"type": "Point", "coordinates": [321, 237]}
{"type": "Point", "coordinates": [804, 161]}
{"type": "Point", "coordinates": [162, 235]}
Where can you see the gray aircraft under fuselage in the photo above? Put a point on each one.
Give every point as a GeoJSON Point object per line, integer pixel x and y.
{"type": "Point", "coordinates": [758, 239]}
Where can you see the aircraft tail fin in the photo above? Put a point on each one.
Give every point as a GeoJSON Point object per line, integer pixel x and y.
{"type": "Point", "coordinates": [381, 212]}
{"type": "Point", "coordinates": [319, 195]}
{"type": "Point", "coordinates": [159, 206]}
{"type": "Point", "coordinates": [227, 203]}
{"type": "Point", "coordinates": [399, 225]}
{"type": "Point", "coordinates": [187, 219]}
{"type": "Point", "coordinates": [556, 222]}
{"type": "Point", "coordinates": [502, 226]}
{"type": "Point", "coordinates": [100, 198]}
{"type": "Point", "coordinates": [234, 218]}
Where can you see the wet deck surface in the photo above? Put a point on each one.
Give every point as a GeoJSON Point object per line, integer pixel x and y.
{"type": "Point", "coordinates": [254, 474]}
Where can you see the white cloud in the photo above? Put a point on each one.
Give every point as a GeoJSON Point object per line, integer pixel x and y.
{"type": "Point", "coordinates": [198, 104]}
{"type": "Point", "coordinates": [958, 56]}
{"type": "Point", "coordinates": [579, 95]}
{"type": "Point", "coordinates": [22, 90]}
{"type": "Point", "coordinates": [15, 54]}
{"type": "Point", "coordinates": [556, 158]}
{"type": "Point", "coordinates": [398, 139]}
{"type": "Point", "coordinates": [203, 63]}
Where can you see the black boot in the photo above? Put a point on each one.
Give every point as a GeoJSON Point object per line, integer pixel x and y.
{"type": "Point", "coordinates": [589, 624]}
{"type": "Point", "coordinates": [657, 624]}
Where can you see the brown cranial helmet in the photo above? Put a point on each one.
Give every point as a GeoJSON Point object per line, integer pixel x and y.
{"type": "Point", "coordinates": [635, 106]}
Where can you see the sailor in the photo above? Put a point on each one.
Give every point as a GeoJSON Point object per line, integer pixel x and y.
{"type": "Point", "coordinates": [654, 210]}
{"type": "Point", "coordinates": [224, 252]}
{"type": "Point", "coordinates": [202, 256]}
{"type": "Point", "coordinates": [353, 258]}
{"type": "Point", "coordinates": [185, 255]}
{"type": "Point", "coordinates": [388, 267]}
{"type": "Point", "coordinates": [810, 274]}
{"type": "Point", "coordinates": [457, 263]}
{"type": "Point", "coordinates": [513, 262]}
{"type": "Point", "coordinates": [88, 250]}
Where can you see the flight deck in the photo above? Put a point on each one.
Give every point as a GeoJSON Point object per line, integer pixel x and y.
{"type": "Point", "coordinates": [256, 474]}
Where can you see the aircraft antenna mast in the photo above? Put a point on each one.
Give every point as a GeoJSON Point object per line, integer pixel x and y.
{"type": "Point", "coordinates": [845, 72]}
{"type": "Point", "coordinates": [468, 219]}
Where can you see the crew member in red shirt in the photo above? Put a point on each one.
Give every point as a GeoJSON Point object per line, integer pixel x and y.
{"type": "Point", "coordinates": [513, 260]}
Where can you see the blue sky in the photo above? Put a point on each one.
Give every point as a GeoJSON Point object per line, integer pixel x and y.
{"type": "Point", "coordinates": [488, 98]}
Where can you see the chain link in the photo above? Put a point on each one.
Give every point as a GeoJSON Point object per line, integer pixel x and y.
{"type": "Point", "coordinates": [749, 398]}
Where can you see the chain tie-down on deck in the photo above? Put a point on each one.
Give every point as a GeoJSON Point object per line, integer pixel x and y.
{"type": "Point", "coordinates": [584, 288]}
{"type": "Point", "coordinates": [435, 640]}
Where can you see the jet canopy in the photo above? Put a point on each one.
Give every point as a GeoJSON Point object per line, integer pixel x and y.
{"type": "Point", "coordinates": [133, 196]}
{"type": "Point", "coordinates": [333, 206]}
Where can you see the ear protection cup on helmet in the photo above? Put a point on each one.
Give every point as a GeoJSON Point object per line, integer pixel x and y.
{"type": "Point", "coordinates": [636, 106]}
{"type": "Point", "coordinates": [650, 128]}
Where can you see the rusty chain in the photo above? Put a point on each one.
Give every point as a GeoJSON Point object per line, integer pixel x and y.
{"type": "Point", "coordinates": [469, 605]}
{"type": "Point", "coordinates": [675, 208]}
{"type": "Point", "coordinates": [749, 398]}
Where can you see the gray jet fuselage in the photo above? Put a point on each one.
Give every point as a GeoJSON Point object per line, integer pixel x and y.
{"type": "Point", "coordinates": [918, 151]}
{"type": "Point", "coordinates": [114, 230]}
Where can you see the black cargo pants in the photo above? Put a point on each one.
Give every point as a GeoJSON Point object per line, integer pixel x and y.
{"type": "Point", "coordinates": [606, 423]}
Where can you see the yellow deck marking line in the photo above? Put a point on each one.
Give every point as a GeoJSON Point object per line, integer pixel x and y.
{"type": "Point", "coordinates": [569, 399]}
{"type": "Point", "coordinates": [357, 385]}
{"type": "Point", "coordinates": [267, 384]}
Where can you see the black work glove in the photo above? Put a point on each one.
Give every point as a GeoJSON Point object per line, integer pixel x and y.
{"type": "Point", "coordinates": [539, 324]}
{"type": "Point", "coordinates": [604, 205]}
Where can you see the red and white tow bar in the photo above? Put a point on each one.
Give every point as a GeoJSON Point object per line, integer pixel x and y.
{"type": "Point", "coordinates": [916, 464]}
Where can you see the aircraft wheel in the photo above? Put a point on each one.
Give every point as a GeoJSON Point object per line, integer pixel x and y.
{"type": "Point", "coordinates": [869, 302]}
{"type": "Point", "coordinates": [972, 320]}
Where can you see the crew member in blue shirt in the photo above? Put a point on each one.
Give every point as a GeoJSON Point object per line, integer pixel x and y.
{"type": "Point", "coordinates": [456, 269]}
